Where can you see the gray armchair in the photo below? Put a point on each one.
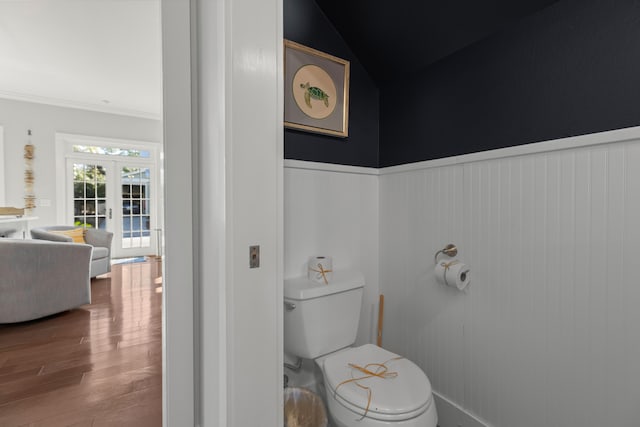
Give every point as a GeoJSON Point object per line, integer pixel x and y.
{"type": "Point", "coordinates": [99, 239]}
{"type": "Point", "coordinates": [42, 278]}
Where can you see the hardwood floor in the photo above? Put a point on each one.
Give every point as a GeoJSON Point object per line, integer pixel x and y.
{"type": "Point", "coordinates": [98, 365]}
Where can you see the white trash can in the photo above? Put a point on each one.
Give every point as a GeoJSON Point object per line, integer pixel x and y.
{"type": "Point", "coordinates": [303, 408]}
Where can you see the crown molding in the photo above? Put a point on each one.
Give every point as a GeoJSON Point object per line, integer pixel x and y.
{"type": "Point", "coordinates": [58, 102]}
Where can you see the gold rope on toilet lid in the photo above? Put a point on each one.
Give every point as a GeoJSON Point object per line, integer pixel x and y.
{"type": "Point", "coordinates": [402, 395]}
{"type": "Point", "coordinates": [382, 372]}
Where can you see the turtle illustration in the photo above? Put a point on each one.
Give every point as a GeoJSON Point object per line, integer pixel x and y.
{"type": "Point", "coordinates": [312, 92]}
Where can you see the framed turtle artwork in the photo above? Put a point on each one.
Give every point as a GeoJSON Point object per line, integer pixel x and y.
{"type": "Point", "coordinates": [316, 91]}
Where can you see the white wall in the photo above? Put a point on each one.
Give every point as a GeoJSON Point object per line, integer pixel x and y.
{"type": "Point", "coordinates": [333, 210]}
{"type": "Point", "coordinates": [44, 121]}
{"type": "Point", "coordinates": [547, 333]}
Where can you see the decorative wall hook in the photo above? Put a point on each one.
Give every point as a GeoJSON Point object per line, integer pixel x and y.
{"type": "Point", "coordinates": [450, 250]}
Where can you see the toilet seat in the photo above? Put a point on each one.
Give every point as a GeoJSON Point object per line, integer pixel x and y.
{"type": "Point", "coordinates": [405, 396]}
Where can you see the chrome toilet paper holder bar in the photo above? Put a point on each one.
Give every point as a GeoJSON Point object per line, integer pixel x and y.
{"type": "Point", "coordinates": [450, 250]}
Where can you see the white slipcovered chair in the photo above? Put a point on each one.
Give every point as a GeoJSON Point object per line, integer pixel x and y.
{"type": "Point", "coordinates": [42, 278]}
{"type": "Point", "coordinates": [100, 240]}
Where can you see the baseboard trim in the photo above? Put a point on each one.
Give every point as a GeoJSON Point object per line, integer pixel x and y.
{"type": "Point", "coordinates": [450, 414]}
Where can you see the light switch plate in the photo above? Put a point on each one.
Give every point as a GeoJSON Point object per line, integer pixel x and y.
{"type": "Point", "coordinates": [254, 256]}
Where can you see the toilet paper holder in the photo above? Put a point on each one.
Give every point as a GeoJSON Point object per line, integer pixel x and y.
{"type": "Point", "coordinates": [450, 250]}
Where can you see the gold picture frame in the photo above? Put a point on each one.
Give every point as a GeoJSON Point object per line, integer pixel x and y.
{"type": "Point", "coordinates": [316, 91]}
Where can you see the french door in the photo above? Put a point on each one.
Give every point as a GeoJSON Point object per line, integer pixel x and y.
{"type": "Point", "coordinates": [115, 195]}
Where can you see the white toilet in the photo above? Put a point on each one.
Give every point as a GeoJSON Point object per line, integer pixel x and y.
{"type": "Point", "coordinates": [320, 323]}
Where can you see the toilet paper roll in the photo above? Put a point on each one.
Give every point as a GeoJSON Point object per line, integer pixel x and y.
{"type": "Point", "coordinates": [320, 269]}
{"type": "Point", "coordinates": [453, 273]}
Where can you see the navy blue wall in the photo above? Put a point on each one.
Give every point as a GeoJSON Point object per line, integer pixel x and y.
{"type": "Point", "coordinates": [570, 69]}
{"type": "Point", "coordinates": [305, 23]}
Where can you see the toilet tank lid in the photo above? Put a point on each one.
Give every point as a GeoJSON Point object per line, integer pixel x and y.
{"type": "Point", "coordinates": [301, 288]}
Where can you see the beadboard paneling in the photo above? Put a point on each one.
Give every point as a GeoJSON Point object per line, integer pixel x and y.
{"type": "Point", "coordinates": [546, 334]}
{"type": "Point", "coordinates": [336, 214]}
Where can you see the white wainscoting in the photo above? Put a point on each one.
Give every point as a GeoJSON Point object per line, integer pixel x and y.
{"type": "Point", "coordinates": [548, 332]}
{"type": "Point", "coordinates": [333, 210]}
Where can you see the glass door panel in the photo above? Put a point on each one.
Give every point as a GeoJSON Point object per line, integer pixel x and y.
{"type": "Point", "coordinates": [114, 194]}
{"type": "Point", "coordinates": [90, 195]}
{"type": "Point", "coordinates": [135, 205]}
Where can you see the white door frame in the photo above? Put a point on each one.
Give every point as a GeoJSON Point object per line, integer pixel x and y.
{"type": "Point", "coordinates": [2, 175]}
{"type": "Point", "coordinates": [180, 396]}
{"type": "Point", "coordinates": [220, 198]}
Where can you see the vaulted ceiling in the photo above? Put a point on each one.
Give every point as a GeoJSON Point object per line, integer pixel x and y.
{"type": "Point", "coordinates": [106, 55]}
{"type": "Point", "coordinates": [391, 38]}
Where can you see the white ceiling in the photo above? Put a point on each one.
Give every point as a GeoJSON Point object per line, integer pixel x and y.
{"type": "Point", "coordinates": [102, 55]}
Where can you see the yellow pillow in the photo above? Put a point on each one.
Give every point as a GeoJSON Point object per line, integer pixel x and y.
{"type": "Point", "coordinates": [77, 234]}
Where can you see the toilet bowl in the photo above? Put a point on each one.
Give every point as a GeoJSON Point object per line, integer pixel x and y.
{"type": "Point", "coordinates": [320, 324]}
{"type": "Point", "coordinates": [401, 398]}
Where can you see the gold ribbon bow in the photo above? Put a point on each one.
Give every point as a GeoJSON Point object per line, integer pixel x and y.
{"type": "Point", "coordinates": [323, 272]}
{"type": "Point", "coordinates": [382, 372]}
{"type": "Point", "coordinates": [446, 266]}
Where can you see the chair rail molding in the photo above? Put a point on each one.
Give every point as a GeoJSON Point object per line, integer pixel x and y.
{"type": "Point", "coordinates": [588, 140]}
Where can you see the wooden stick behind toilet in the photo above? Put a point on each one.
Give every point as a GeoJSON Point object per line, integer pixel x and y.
{"type": "Point", "coordinates": [380, 319]}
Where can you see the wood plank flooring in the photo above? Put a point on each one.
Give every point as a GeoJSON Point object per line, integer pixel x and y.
{"type": "Point", "coordinates": [98, 365]}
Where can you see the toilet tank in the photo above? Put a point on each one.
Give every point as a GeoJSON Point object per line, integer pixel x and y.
{"type": "Point", "coordinates": [320, 319]}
